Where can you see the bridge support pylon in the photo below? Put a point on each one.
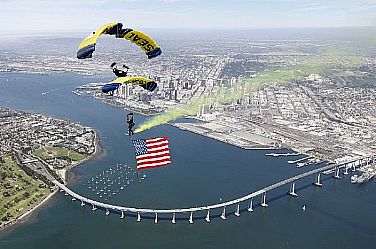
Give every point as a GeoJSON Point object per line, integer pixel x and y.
{"type": "Point", "coordinates": [337, 173]}
{"type": "Point", "coordinates": [138, 217]}
{"type": "Point", "coordinates": [263, 203]}
{"type": "Point", "coordinates": [191, 218]}
{"type": "Point", "coordinates": [346, 172]}
{"type": "Point", "coordinates": [107, 211]}
{"type": "Point", "coordinates": [122, 215]}
{"type": "Point", "coordinates": [207, 218]}
{"type": "Point", "coordinates": [237, 212]}
{"type": "Point", "coordinates": [318, 183]}
{"type": "Point", "coordinates": [93, 208]}
{"type": "Point", "coordinates": [292, 190]}
{"type": "Point", "coordinates": [173, 221]}
{"type": "Point", "coordinates": [156, 218]}
{"type": "Point", "coordinates": [250, 205]}
{"type": "Point", "coordinates": [82, 203]}
{"type": "Point", "coordinates": [223, 215]}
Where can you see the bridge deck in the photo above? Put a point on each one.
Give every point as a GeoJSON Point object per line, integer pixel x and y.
{"type": "Point", "coordinates": [194, 209]}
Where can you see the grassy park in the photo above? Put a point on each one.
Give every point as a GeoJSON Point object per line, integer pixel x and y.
{"type": "Point", "coordinates": [18, 191]}
{"type": "Point", "coordinates": [57, 152]}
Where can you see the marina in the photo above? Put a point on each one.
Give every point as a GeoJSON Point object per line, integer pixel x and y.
{"type": "Point", "coordinates": [364, 173]}
{"type": "Point", "coordinates": [109, 182]}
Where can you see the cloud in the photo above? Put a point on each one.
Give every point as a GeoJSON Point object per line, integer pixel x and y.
{"type": "Point", "coordinates": [17, 15]}
{"type": "Point", "coordinates": [314, 8]}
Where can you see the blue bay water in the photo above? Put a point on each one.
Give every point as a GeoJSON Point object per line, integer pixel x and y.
{"type": "Point", "coordinates": [339, 215]}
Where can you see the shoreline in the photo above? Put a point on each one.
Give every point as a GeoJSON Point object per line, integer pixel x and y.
{"type": "Point", "coordinates": [255, 147]}
{"type": "Point", "coordinates": [27, 214]}
{"type": "Point", "coordinates": [98, 150]}
{"type": "Point", "coordinates": [127, 107]}
{"type": "Point", "coordinates": [226, 141]}
{"type": "Point", "coordinates": [36, 207]}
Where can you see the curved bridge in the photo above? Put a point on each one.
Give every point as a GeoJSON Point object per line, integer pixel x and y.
{"type": "Point", "coordinates": [333, 168]}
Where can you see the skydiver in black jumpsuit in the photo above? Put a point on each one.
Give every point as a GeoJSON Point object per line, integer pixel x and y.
{"type": "Point", "coordinates": [131, 124]}
{"type": "Point", "coordinates": [119, 72]}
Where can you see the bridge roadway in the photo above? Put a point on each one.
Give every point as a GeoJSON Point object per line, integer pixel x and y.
{"type": "Point", "coordinates": [214, 206]}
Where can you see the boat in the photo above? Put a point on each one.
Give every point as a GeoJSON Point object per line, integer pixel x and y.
{"type": "Point", "coordinates": [304, 207]}
{"type": "Point", "coordinates": [354, 179]}
{"type": "Point", "coordinates": [299, 165]}
{"type": "Point", "coordinates": [362, 178]}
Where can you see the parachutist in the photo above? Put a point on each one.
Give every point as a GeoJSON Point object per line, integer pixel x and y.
{"type": "Point", "coordinates": [119, 72]}
{"type": "Point", "coordinates": [131, 124]}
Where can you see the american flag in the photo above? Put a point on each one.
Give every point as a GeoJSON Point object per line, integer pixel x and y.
{"type": "Point", "coordinates": [152, 153]}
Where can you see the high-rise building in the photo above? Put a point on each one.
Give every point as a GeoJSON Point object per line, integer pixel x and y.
{"type": "Point", "coordinates": [124, 91]}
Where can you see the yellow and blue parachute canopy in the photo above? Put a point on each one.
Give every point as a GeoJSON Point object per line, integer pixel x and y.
{"type": "Point", "coordinates": [146, 83]}
{"type": "Point", "coordinates": [87, 46]}
{"type": "Point", "coordinates": [147, 44]}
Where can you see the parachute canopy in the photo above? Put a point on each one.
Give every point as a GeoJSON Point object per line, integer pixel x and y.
{"type": "Point", "coordinates": [147, 44]}
{"type": "Point", "coordinates": [146, 83]}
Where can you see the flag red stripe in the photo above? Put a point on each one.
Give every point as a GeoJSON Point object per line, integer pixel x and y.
{"type": "Point", "coordinates": [153, 152]}
{"type": "Point", "coordinates": [154, 161]}
{"type": "Point", "coordinates": [152, 157]}
{"type": "Point", "coordinates": [155, 166]}
{"type": "Point", "coordinates": [157, 145]}
{"type": "Point", "coordinates": [164, 147]}
{"type": "Point", "coordinates": [154, 140]}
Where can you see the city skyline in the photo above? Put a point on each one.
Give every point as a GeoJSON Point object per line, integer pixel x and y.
{"type": "Point", "coordinates": [45, 15]}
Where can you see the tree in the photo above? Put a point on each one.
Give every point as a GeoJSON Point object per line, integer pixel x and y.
{"type": "Point", "coordinates": [3, 176]}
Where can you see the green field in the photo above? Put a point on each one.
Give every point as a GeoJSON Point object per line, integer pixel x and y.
{"type": "Point", "coordinates": [57, 152]}
{"type": "Point", "coordinates": [18, 191]}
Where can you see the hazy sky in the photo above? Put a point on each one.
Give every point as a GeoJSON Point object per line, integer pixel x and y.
{"type": "Point", "coordinates": [80, 15]}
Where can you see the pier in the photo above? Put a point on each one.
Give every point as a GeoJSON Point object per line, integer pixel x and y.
{"type": "Point", "coordinates": [282, 154]}
{"type": "Point", "coordinates": [299, 160]}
